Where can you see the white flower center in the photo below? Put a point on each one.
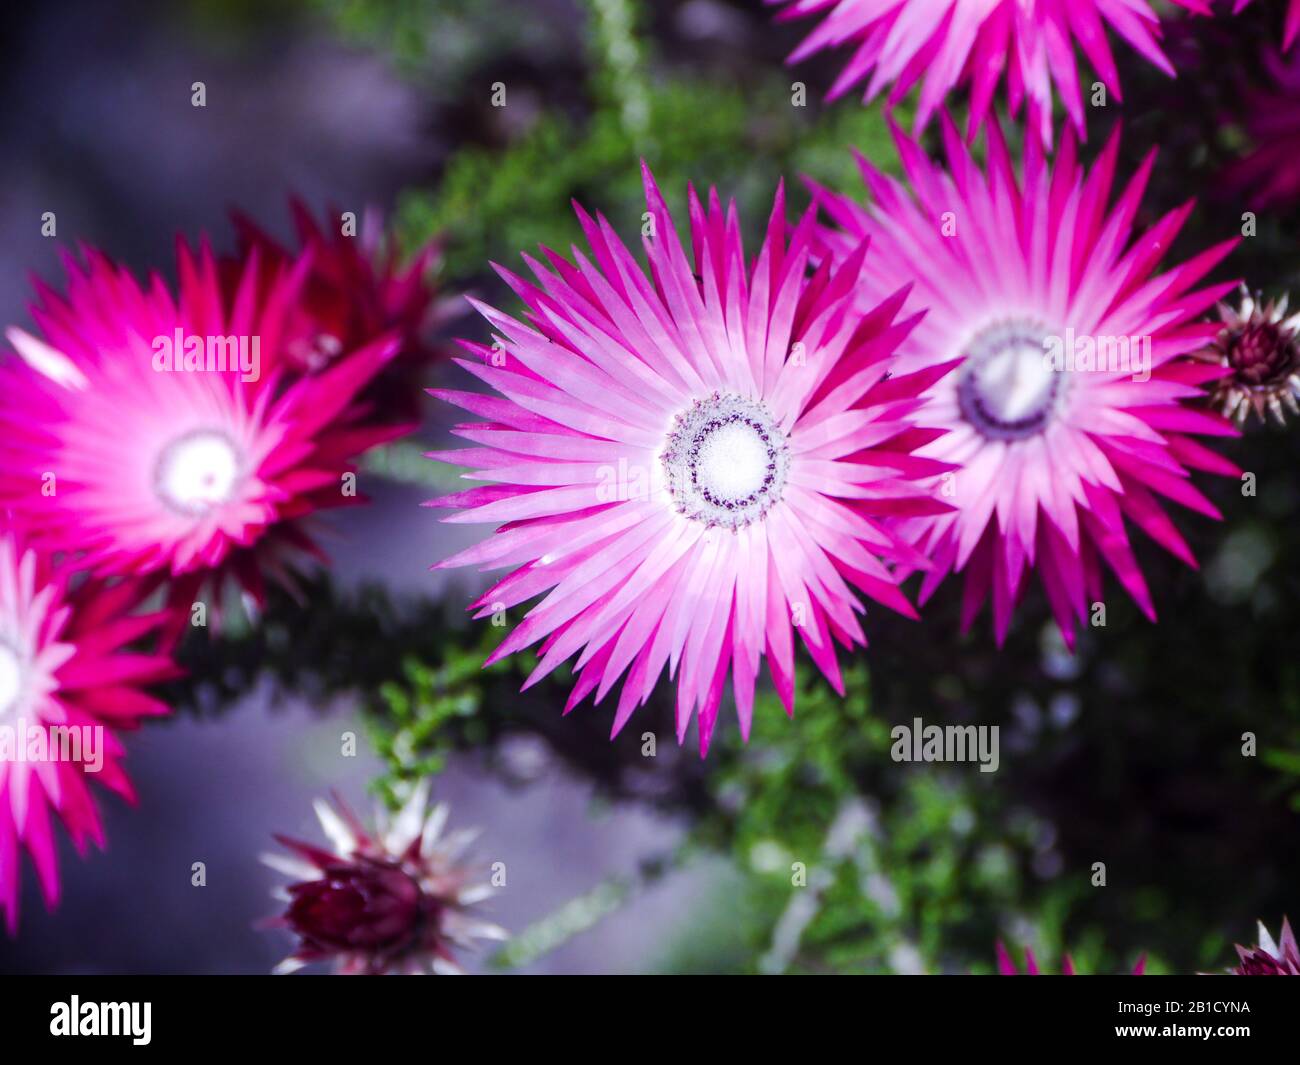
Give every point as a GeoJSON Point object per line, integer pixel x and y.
{"type": "Point", "coordinates": [197, 472]}
{"type": "Point", "coordinates": [726, 461]}
{"type": "Point", "coordinates": [11, 679]}
{"type": "Point", "coordinates": [1007, 387]}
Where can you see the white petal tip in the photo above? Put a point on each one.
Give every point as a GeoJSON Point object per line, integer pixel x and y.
{"type": "Point", "coordinates": [46, 360]}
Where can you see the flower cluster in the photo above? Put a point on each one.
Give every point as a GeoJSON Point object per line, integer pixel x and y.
{"type": "Point", "coordinates": [694, 465]}
{"type": "Point", "coordinates": [692, 462]}
{"type": "Point", "coordinates": [160, 444]}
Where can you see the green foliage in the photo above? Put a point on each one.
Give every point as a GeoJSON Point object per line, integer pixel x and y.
{"type": "Point", "coordinates": [492, 203]}
{"type": "Point", "coordinates": [440, 42]}
{"type": "Point", "coordinates": [852, 862]}
{"type": "Point", "coordinates": [404, 462]}
{"type": "Point", "coordinates": [576, 916]}
{"type": "Point", "coordinates": [410, 724]}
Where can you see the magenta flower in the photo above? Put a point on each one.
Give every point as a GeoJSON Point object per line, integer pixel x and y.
{"type": "Point", "coordinates": [1292, 20]}
{"type": "Point", "coordinates": [1007, 967]}
{"type": "Point", "coordinates": [1067, 415]}
{"type": "Point", "coordinates": [400, 899]}
{"type": "Point", "coordinates": [66, 685]}
{"type": "Point", "coordinates": [1268, 958]}
{"type": "Point", "coordinates": [356, 291]}
{"type": "Point", "coordinates": [169, 437]}
{"type": "Point", "coordinates": [946, 43]}
{"type": "Point", "coordinates": [693, 465]}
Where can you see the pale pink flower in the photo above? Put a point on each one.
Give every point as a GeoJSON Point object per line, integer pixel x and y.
{"type": "Point", "coordinates": [942, 44]}
{"type": "Point", "coordinates": [1069, 414]}
{"type": "Point", "coordinates": [690, 466]}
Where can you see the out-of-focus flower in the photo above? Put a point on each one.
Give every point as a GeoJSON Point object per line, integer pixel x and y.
{"type": "Point", "coordinates": [692, 466]}
{"type": "Point", "coordinates": [357, 289]}
{"type": "Point", "coordinates": [399, 899]}
{"type": "Point", "coordinates": [945, 43]}
{"type": "Point", "coordinates": [67, 683]}
{"type": "Point", "coordinates": [1007, 967]}
{"type": "Point", "coordinates": [1269, 172]}
{"type": "Point", "coordinates": [169, 438]}
{"type": "Point", "coordinates": [1268, 958]}
{"type": "Point", "coordinates": [1067, 414]}
{"type": "Point", "coordinates": [1292, 29]}
{"type": "Point", "coordinates": [1258, 347]}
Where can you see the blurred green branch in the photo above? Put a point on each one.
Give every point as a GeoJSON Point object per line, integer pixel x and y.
{"type": "Point", "coordinates": [620, 75]}
{"type": "Point", "coordinates": [578, 915]}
